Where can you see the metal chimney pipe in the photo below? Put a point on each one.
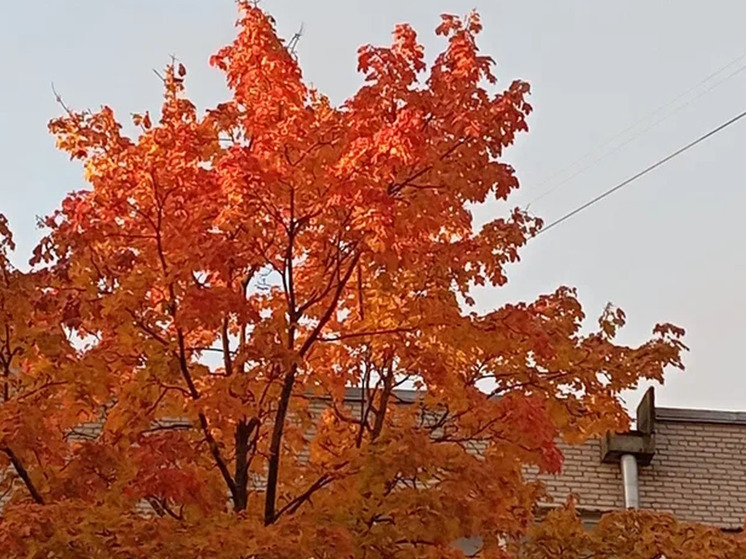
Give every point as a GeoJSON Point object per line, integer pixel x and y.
{"type": "Point", "coordinates": [628, 464]}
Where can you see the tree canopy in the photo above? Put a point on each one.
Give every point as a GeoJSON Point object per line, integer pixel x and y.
{"type": "Point", "coordinates": [226, 277]}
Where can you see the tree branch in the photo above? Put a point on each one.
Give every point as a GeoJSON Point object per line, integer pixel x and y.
{"type": "Point", "coordinates": [215, 451]}
{"type": "Point", "coordinates": [211, 442]}
{"type": "Point", "coordinates": [313, 336]}
{"type": "Point", "coordinates": [320, 483]}
{"type": "Point", "coordinates": [24, 475]}
{"type": "Point", "coordinates": [274, 446]}
{"type": "Point", "coordinates": [363, 334]}
{"type": "Point", "coordinates": [287, 389]}
{"type": "Point", "coordinates": [383, 404]}
{"type": "Point", "coordinates": [295, 504]}
{"type": "Point", "coordinates": [227, 360]}
{"type": "Point", "coordinates": [244, 430]}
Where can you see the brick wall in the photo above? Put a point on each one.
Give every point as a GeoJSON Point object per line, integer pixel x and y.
{"type": "Point", "coordinates": [698, 471]}
{"type": "Point", "coordinates": [598, 485]}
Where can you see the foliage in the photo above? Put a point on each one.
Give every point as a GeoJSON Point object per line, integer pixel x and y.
{"type": "Point", "coordinates": [628, 535]}
{"type": "Point", "coordinates": [310, 248]}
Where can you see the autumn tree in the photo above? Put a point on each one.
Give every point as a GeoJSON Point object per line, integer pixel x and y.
{"type": "Point", "coordinates": [625, 535]}
{"type": "Point", "coordinates": [229, 275]}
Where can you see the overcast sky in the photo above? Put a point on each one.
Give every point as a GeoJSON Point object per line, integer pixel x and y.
{"type": "Point", "coordinates": [669, 247]}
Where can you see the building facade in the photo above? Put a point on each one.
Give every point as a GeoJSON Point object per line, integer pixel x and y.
{"type": "Point", "coordinates": [689, 462]}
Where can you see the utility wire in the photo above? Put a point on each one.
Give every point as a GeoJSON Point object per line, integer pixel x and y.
{"type": "Point", "coordinates": [647, 116]}
{"type": "Point", "coordinates": [643, 172]}
{"type": "Point", "coordinates": [634, 137]}
{"type": "Point", "coordinates": [634, 125]}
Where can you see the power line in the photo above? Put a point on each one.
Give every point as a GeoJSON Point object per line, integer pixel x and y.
{"type": "Point", "coordinates": [634, 125]}
{"type": "Point", "coordinates": [635, 136]}
{"type": "Point", "coordinates": [648, 115]}
{"type": "Point", "coordinates": [643, 172]}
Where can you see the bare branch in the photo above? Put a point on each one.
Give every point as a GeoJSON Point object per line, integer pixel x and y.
{"type": "Point", "coordinates": [293, 42]}
{"type": "Point", "coordinates": [60, 102]}
{"type": "Point", "coordinates": [338, 337]}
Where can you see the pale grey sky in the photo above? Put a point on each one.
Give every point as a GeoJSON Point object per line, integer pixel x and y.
{"type": "Point", "coordinates": [666, 248]}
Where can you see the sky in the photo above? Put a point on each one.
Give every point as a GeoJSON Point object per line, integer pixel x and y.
{"type": "Point", "coordinates": [667, 248]}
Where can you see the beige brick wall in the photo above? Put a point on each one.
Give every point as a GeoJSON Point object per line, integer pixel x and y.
{"type": "Point", "coordinates": [698, 473]}
{"type": "Point", "coordinates": [598, 485]}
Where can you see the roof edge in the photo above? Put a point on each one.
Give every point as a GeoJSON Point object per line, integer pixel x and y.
{"type": "Point", "coordinates": [687, 415]}
{"type": "Point", "coordinates": [403, 395]}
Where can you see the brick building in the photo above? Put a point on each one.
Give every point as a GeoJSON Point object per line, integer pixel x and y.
{"type": "Point", "coordinates": [689, 462]}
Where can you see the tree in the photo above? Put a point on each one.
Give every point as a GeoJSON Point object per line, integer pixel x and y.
{"type": "Point", "coordinates": [225, 272]}
{"type": "Point", "coordinates": [626, 535]}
